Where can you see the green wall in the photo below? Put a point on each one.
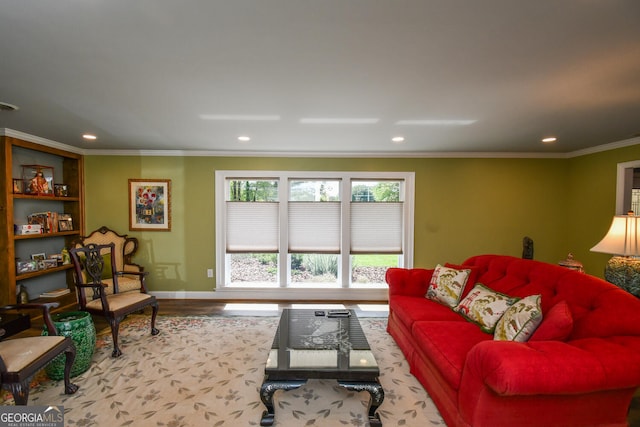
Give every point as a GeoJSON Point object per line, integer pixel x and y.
{"type": "Point", "coordinates": [593, 202]}
{"type": "Point", "coordinates": [463, 206]}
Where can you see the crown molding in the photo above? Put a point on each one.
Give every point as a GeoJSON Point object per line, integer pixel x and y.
{"type": "Point", "coordinates": [42, 141]}
{"type": "Point", "coordinates": [605, 147]}
{"type": "Point", "coordinates": [316, 154]}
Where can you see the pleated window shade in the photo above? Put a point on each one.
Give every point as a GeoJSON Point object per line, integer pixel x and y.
{"type": "Point", "coordinates": [376, 227]}
{"type": "Point", "coordinates": [252, 227]}
{"type": "Point", "coordinates": [314, 227]}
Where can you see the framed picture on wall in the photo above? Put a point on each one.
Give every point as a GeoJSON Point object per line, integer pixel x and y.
{"type": "Point", "coordinates": [150, 204]}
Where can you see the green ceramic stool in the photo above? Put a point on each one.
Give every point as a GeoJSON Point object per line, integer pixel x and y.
{"type": "Point", "coordinates": [79, 326]}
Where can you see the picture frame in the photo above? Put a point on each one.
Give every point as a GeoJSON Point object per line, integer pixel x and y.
{"type": "Point", "coordinates": [150, 204]}
{"type": "Point", "coordinates": [65, 224]}
{"type": "Point", "coordinates": [18, 186]}
{"type": "Point", "coordinates": [61, 190]}
{"type": "Point", "coordinates": [49, 263]}
{"type": "Point", "coordinates": [23, 267]}
{"type": "Point", "coordinates": [38, 257]}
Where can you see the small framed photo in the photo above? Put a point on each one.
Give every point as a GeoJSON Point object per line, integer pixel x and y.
{"type": "Point", "coordinates": [150, 204]}
{"type": "Point", "coordinates": [61, 190]}
{"type": "Point", "coordinates": [18, 186]}
{"type": "Point", "coordinates": [65, 222]}
{"type": "Point", "coordinates": [38, 257]}
{"type": "Point", "coordinates": [49, 263]}
{"type": "Point", "coordinates": [23, 267]}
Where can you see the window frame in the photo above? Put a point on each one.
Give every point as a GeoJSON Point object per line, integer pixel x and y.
{"type": "Point", "coordinates": [345, 178]}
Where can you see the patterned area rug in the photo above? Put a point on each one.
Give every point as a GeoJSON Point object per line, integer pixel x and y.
{"type": "Point", "coordinates": [208, 371]}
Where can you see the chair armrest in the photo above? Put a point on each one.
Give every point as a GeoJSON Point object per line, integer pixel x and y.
{"type": "Point", "coordinates": [133, 273]}
{"type": "Point", "coordinates": [142, 275]}
{"type": "Point", "coordinates": [46, 312]}
{"type": "Point", "coordinates": [91, 285]}
{"type": "Point", "coordinates": [131, 267]}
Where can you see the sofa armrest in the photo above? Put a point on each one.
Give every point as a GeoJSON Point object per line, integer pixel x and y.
{"type": "Point", "coordinates": [553, 367]}
{"type": "Point", "coordinates": [405, 281]}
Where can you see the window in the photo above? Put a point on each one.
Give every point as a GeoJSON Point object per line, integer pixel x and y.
{"type": "Point", "coordinates": [312, 230]}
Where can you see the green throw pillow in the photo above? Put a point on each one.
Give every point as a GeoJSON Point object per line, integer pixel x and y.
{"type": "Point", "coordinates": [484, 307]}
{"type": "Point", "coordinates": [520, 320]}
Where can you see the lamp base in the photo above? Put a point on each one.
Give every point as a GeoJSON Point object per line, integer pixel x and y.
{"type": "Point", "coordinates": [624, 272]}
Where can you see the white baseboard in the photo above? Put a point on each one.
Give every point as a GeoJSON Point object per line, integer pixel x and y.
{"type": "Point", "coordinates": [279, 294]}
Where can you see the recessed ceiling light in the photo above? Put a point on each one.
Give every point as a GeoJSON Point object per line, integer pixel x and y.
{"type": "Point", "coordinates": [89, 137]}
{"type": "Point", "coordinates": [436, 122]}
{"type": "Point", "coordinates": [338, 121]}
{"type": "Point", "coordinates": [549, 139]}
{"type": "Point", "coordinates": [397, 139]}
{"type": "Point", "coordinates": [244, 138]}
{"type": "Point", "coordinates": [241, 117]}
{"type": "Point", "coordinates": [5, 106]}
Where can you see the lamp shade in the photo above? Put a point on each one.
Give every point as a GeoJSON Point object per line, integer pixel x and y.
{"type": "Point", "coordinates": [622, 237]}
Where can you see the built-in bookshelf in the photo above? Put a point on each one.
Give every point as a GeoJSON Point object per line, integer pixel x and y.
{"type": "Point", "coordinates": [60, 204]}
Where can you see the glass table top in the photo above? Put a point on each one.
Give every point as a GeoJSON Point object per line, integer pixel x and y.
{"type": "Point", "coordinates": [310, 346]}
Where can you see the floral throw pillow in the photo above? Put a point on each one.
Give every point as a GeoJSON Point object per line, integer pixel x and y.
{"type": "Point", "coordinates": [520, 320]}
{"type": "Point", "coordinates": [484, 307]}
{"type": "Point", "coordinates": [447, 285]}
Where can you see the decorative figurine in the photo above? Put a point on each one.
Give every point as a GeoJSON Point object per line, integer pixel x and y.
{"type": "Point", "coordinates": [527, 248]}
{"type": "Point", "coordinates": [39, 184]}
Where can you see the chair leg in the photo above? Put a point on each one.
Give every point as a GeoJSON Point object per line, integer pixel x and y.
{"type": "Point", "coordinates": [115, 327]}
{"type": "Point", "coordinates": [70, 356]}
{"type": "Point", "coordinates": [20, 391]}
{"type": "Point", "coordinates": [154, 313]}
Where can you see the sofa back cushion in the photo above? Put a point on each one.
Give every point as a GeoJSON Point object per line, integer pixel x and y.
{"type": "Point", "coordinates": [556, 325]}
{"type": "Point", "coordinates": [598, 308]}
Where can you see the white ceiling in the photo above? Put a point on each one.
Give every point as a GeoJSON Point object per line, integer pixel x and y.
{"type": "Point", "coordinates": [141, 74]}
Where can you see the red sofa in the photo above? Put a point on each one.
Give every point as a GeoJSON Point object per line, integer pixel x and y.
{"type": "Point", "coordinates": [585, 378]}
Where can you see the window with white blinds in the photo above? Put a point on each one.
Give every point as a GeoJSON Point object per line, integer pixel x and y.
{"type": "Point", "coordinates": [314, 227]}
{"type": "Point", "coordinates": [300, 217]}
{"type": "Point", "coordinates": [376, 227]}
{"type": "Point", "coordinates": [252, 227]}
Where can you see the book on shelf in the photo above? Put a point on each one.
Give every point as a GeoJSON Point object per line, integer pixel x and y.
{"type": "Point", "coordinates": [55, 293]}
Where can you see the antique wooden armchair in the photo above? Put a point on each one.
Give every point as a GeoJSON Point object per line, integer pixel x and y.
{"type": "Point", "coordinates": [125, 248]}
{"type": "Point", "coordinates": [89, 265]}
{"type": "Point", "coordinates": [21, 358]}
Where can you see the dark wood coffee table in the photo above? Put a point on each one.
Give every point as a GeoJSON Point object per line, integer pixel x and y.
{"type": "Point", "coordinates": [308, 346]}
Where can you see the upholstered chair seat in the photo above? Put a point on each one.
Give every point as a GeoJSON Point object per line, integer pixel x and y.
{"type": "Point", "coordinates": [22, 358]}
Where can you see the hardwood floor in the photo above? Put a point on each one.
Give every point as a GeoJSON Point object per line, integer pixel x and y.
{"type": "Point", "coordinates": [200, 307]}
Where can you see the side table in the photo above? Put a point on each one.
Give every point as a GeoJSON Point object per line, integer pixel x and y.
{"type": "Point", "coordinates": [78, 325]}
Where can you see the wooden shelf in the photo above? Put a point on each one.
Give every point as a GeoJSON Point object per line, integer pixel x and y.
{"type": "Point", "coordinates": [45, 235]}
{"type": "Point", "coordinates": [36, 197]}
{"type": "Point", "coordinates": [42, 272]}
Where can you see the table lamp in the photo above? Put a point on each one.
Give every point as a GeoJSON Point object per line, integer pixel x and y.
{"type": "Point", "coordinates": [622, 240]}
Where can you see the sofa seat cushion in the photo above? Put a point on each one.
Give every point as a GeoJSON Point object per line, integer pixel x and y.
{"type": "Point", "coordinates": [412, 309]}
{"type": "Point", "coordinates": [446, 344]}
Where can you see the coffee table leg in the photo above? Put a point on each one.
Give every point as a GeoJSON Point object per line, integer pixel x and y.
{"type": "Point", "coordinates": [377, 396]}
{"type": "Point", "coordinates": [267, 390]}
